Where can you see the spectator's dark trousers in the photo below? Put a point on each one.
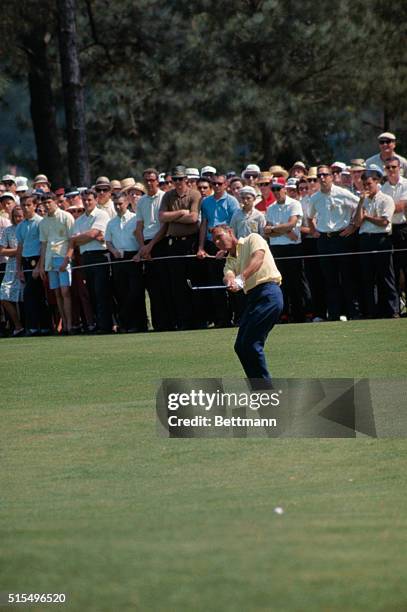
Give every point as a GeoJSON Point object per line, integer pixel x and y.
{"type": "Point", "coordinates": [294, 285]}
{"type": "Point", "coordinates": [338, 277]}
{"type": "Point", "coordinates": [378, 272]}
{"type": "Point", "coordinates": [37, 316]}
{"type": "Point", "coordinates": [399, 241]}
{"type": "Point", "coordinates": [98, 283]}
{"type": "Point", "coordinates": [129, 289]}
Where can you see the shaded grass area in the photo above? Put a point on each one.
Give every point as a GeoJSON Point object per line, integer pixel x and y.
{"type": "Point", "coordinates": [94, 504]}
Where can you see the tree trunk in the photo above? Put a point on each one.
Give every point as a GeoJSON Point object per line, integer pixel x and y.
{"type": "Point", "coordinates": [42, 109]}
{"type": "Point", "coordinates": [78, 156]}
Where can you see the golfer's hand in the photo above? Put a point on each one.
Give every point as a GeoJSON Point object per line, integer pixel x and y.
{"type": "Point", "coordinates": [220, 254]}
{"type": "Point", "coordinates": [233, 287]}
{"type": "Point", "coordinates": [230, 282]}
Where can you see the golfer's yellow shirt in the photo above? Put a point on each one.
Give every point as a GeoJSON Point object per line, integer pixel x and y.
{"type": "Point", "coordinates": [245, 248]}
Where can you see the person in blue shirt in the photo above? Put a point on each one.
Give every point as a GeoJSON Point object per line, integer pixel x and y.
{"type": "Point", "coordinates": [37, 317]}
{"type": "Point", "coordinates": [216, 209]}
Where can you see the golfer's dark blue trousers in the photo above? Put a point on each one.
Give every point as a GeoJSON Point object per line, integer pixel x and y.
{"type": "Point", "coordinates": [264, 306]}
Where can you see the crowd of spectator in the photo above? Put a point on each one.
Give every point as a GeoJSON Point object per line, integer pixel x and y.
{"type": "Point", "coordinates": [84, 259]}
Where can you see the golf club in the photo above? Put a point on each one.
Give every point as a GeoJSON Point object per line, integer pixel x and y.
{"type": "Point", "coordinates": [190, 285]}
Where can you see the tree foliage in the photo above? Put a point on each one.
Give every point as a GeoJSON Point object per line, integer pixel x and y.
{"type": "Point", "coordinates": [230, 82]}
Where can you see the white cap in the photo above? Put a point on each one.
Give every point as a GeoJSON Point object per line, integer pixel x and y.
{"type": "Point", "coordinates": [192, 173]}
{"type": "Point", "coordinates": [9, 177]}
{"type": "Point", "coordinates": [250, 168]}
{"type": "Point", "coordinates": [247, 191]}
{"type": "Point", "coordinates": [22, 183]}
{"type": "Point", "coordinates": [8, 194]}
{"type": "Point", "coordinates": [339, 165]}
{"type": "Point", "coordinates": [208, 170]}
{"type": "Point", "coordinates": [388, 135]}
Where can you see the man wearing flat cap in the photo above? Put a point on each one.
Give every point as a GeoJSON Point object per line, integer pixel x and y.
{"type": "Point", "coordinates": [387, 145]}
{"type": "Point", "coordinates": [180, 208]}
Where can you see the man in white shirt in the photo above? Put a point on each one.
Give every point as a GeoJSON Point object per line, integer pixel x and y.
{"type": "Point", "coordinates": [387, 145]}
{"type": "Point", "coordinates": [88, 233]}
{"type": "Point", "coordinates": [396, 188]}
{"type": "Point", "coordinates": [127, 275]}
{"type": "Point", "coordinates": [373, 217]}
{"type": "Point", "coordinates": [283, 223]}
{"type": "Point", "coordinates": [150, 233]}
{"type": "Point", "coordinates": [331, 212]}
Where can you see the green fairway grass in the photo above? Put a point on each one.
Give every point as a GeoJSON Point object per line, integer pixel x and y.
{"type": "Point", "coordinates": [94, 504]}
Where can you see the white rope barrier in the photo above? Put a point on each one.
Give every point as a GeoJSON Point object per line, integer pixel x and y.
{"type": "Point", "coordinates": [170, 257]}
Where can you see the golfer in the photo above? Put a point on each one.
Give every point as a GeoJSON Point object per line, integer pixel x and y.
{"type": "Point", "coordinates": [250, 266]}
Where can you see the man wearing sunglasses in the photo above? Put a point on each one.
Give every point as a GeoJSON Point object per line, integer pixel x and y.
{"type": "Point", "coordinates": [165, 181]}
{"type": "Point", "coordinates": [103, 194]}
{"type": "Point", "coordinates": [387, 145]}
{"type": "Point", "coordinates": [267, 196]}
{"type": "Point", "coordinates": [180, 209]}
{"type": "Point", "coordinates": [331, 212]}
{"type": "Point", "coordinates": [283, 223]}
{"type": "Point", "coordinates": [216, 210]}
{"type": "Point", "coordinates": [396, 188]}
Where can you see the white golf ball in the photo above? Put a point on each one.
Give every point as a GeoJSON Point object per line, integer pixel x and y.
{"type": "Point", "coordinates": [278, 510]}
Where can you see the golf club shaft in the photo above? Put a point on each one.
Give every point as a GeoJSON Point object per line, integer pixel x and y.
{"type": "Point", "coordinates": [208, 287]}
